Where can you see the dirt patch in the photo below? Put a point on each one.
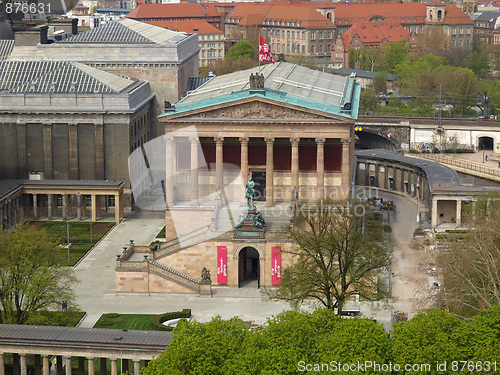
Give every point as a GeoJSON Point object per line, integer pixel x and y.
{"type": "Point", "coordinates": [99, 227]}
{"type": "Point", "coordinates": [35, 225]}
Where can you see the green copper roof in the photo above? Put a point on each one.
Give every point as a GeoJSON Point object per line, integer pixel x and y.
{"type": "Point", "coordinates": [284, 83]}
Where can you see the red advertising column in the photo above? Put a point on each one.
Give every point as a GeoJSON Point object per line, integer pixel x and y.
{"type": "Point", "coordinates": [275, 265]}
{"type": "Point", "coordinates": [221, 265]}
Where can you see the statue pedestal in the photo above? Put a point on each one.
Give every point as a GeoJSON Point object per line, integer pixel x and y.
{"type": "Point", "coordinates": [206, 288]}
{"type": "Point", "coordinates": [252, 227]}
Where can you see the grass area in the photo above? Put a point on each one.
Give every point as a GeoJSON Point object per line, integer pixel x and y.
{"type": "Point", "coordinates": [161, 234]}
{"type": "Point", "coordinates": [56, 318]}
{"type": "Point", "coordinates": [80, 235]}
{"type": "Point", "coordinates": [125, 321]}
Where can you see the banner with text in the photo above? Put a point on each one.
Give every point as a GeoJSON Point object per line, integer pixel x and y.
{"type": "Point", "coordinates": [275, 265]}
{"type": "Point", "coordinates": [221, 265]}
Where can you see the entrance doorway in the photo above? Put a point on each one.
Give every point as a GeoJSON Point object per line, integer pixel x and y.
{"type": "Point", "coordinates": [485, 143]}
{"type": "Point", "coordinates": [248, 266]}
{"type": "Point", "coordinates": [260, 185]}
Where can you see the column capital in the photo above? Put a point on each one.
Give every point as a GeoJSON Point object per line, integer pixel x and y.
{"type": "Point", "coordinates": [294, 141]}
{"type": "Point", "coordinates": [269, 141]}
{"type": "Point", "coordinates": [320, 141]}
{"type": "Point", "coordinates": [244, 140]}
{"type": "Point", "coordinates": [194, 140]}
{"type": "Point", "coordinates": [168, 140]}
{"type": "Point", "coordinates": [345, 141]}
{"type": "Point", "coordinates": [219, 140]}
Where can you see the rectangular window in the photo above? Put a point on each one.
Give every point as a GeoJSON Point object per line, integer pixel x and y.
{"type": "Point", "coordinates": [283, 33]}
{"type": "Point", "coordinates": [461, 31]}
{"type": "Point", "coordinates": [321, 48]}
{"type": "Point", "coordinates": [303, 35]}
{"type": "Point", "coordinates": [321, 34]}
{"type": "Point", "coordinates": [303, 49]}
{"type": "Point", "coordinates": [288, 34]}
{"type": "Point", "coordinates": [293, 34]}
{"type": "Point", "coordinates": [288, 47]}
{"type": "Point", "coordinates": [312, 48]}
{"type": "Point", "coordinates": [329, 35]}
{"type": "Point", "coordinates": [278, 49]}
{"type": "Point", "coordinates": [454, 31]}
{"type": "Point", "coordinates": [313, 35]}
{"type": "Point", "coordinates": [468, 30]}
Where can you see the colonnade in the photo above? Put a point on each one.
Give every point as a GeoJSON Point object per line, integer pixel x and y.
{"type": "Point", "coordinates": [43, 364]}
{"type": "Point", "coordinates": [245, 172]}
{"type": "Point", "coordinates": [9, 212]}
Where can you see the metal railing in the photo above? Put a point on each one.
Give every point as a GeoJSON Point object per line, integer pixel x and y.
{"type": "Point", "coordinates": [460, 162]}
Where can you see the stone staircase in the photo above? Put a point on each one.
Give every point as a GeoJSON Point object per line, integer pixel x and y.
{"type": "Point", "coordinates": [176, 276]}
{"type": "Point", "coordinates": [181, 242]}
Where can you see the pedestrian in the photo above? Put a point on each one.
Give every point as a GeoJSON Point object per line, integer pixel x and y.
{"type": "Point", "coordinates": [486, 157]}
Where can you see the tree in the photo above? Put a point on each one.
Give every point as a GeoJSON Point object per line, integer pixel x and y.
{"type": "Point", "coordinates": [369, 59]}
{"type": "Point", "coordinates": [393, 55]}
{"type": "Point", "coordinates": [430, 338]}
{"type": "Point", "coordinates": [471, 263]}
{"type": "Point", "coordinates": [380, 82]}
{"type": "Point", "coordinates": [353, 58]}
{"type": "Point", "coordinates": [479, 63]}
{"type": "Point", "coordinates": [226, 66]}
{"type": "Point", "coordinates": [336, 252]}
{"type": "Point", "coordinates": [242, 49]}
{"type": "Point", "coordinates": [30, 277]}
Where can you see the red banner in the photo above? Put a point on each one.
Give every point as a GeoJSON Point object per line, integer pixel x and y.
{"type": "Point", "coordinates": [275, 266]}
{"type": "Point", "coordinates": [264, 51]}
{"type": "Point", "coordinates": [221, 265]}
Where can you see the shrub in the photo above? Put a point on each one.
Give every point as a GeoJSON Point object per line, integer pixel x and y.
{"type": "Point", "coordinates": [112, 315]}
{"type": "Point", "coordinates": [106, 323]}
{"type": "Point", "coordinates": [158, 320]}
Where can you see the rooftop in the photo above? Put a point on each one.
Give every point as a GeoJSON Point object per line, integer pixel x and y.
{"type": "Point", "coordinates": [285, 82]}
{"type": "Point", "coordinates": [174, 11]}
{"type": "Point", "coordinates": [363, 73]}
{"type": "Point", "coordinates": [187, 26]}
{"type": "Point", "coordinates": [39, 76]}
{"type": "Point", "coordinates": [126, 31]}
{"type": "Point", "coordinates": [373, 33]}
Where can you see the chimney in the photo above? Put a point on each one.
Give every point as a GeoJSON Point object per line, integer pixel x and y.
{"type": "Point", "coordinates": [43, 34]}
{"type": "Point", "coordinates": [74, 26]}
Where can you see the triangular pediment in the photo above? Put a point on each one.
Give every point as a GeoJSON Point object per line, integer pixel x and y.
{"type": "Point", "coordinates": [256, 108]}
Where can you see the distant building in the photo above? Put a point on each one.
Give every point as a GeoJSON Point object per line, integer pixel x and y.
{"type": "Point", "coordinates": [365, 77]}
{"type": "Point", "coordinates": [210, 39]}
{"type": "Point", "coordinates": [485, 24]}
{"type": "Point", "coordinates": [69, 121]}
{"type": "Point", "coordinates": [416, 18]}
{"type": "Point", "coordinates": [290, 29]}
{"type": "Point", "coordinates": [177, 12]}
{"type": "Point", "coordinates": [164, 58]}
{"type": "Point", "coordinates": [365, 35]}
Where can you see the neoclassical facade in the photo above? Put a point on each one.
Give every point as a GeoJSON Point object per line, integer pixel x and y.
{"type": "Point", "coordinates": [289, 130]}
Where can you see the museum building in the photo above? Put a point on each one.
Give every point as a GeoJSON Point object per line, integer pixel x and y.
{"type": "Point", "coordinates": [287, 129]}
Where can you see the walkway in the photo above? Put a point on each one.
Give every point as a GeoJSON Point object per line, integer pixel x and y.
{"type": "Point", "coordinates": [96, 292]}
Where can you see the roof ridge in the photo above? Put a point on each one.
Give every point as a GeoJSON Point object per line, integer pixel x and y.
{"type": "Point", "coordinates": [55, 65]}
{"type": "Point", "coordinates": [89, 70]}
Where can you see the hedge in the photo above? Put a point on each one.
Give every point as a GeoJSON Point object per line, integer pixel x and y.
{"type": "Point", "coordinates": [158, 320]}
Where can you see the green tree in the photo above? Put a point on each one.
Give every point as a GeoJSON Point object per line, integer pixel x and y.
{"type": "Point", "coordinates": [201, 348]}
{"type": "Point", "coordinates": [368, 101]}
{"type": "Point", "coordinates": [242, 49]}
{"type": "Point", "coordinates": [479, 63]}
{"type": "Point", "coordinates": [336, 253]}
{"type": "Point", "coordinates": [394, 54]}
{"type": "Point", "coordinates": [353, 58]}
{"type": "Point", "coordinates": [484, 333]}
{"type": "Point", "coordinates": [369, 59]}
{"type": "Point", "coordinates": [30, 277]}
{"type": "Point", "coordinates": [380, 82]}
{"type": "Point", "coordinates": [428, 338]}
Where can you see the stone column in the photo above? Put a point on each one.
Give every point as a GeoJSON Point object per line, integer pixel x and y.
{"type": "Point", "coordinates": [73, 152]}
{"type": "Point", "coordinates": [96, 207]}
{"type": "Point", "coordinates": [22, 159]}
{"type": "Point", "coordinates": [269, 172]}
{"type": "Point", "coordinates": [49, 206]}
{"type": "Point", "coordinates": [114, 367]}
{"type": "Point", "coordinates": [346, 168]}
{"type": "Point", "coordinates": [434, 217]}
{"type": "Point", "coordinates": [65, 215]}
{"type": "Point", "coordinates": [170, 170]}
{"type": "Point", "coordinates": [24, 367]}
{"type": "Point", "coordinates": [47, 151]}
{"type": "Point", "coordinates": [244, 158]}
{"type": "Point", "coordinates": [320, 167]}
{"type": "Point", "coordinates": [194, 170]}
{"type": "Point", "coordinates": [118, 206]}
{"type": "Point", "coordinates": [219, 160]}
{"type": "Point", "coordinates": [99, 151]}
{"type": "Point", "coordinates": [90, 365]}
{"type": "Point", "coordinates": [38, 367]}
{"type": "Point", "coordinates": [35, 207]}
{"type": "Point", "coordinates": [67, 362]}
{"type": "Point", "coordinates": [295, 163]}
{"type": "Point", "coordinates": [2, 364]}
{"type": "Point", "coordinates": [458, 216]}
{"type": "Point", "coordinates": [79, 207]}
{"type": "Point", "coordinates": [45, 365]}
{"type": "Point", "coordinates": [137, 367]}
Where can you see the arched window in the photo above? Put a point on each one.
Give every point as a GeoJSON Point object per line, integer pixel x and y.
{"type": "Point", "coordinates": [329, 15]}
{"type": "Point", "coordinates": [440, 15]}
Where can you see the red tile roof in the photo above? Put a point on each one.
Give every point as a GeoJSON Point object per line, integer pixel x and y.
{"type": "Point", "coordinates": [187, 26]}
{"type": "Point", "coordinates": [258, 13]}
{"type": "Point", "coordinates": [405, 13]}
{"type": "Point", "coordinates": [184, 10]}
{"type": "Point", "coordinates": [373, 33]}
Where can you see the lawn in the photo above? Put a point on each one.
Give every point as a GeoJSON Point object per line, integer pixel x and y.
{"type": "Point", "coordinates": [125, 321]}
{"type": "Point", "coordinates": [80, 236]}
